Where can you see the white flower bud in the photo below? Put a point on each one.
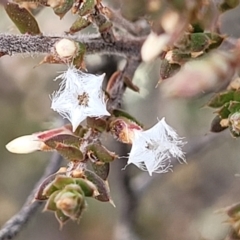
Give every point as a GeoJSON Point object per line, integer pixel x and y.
{"type": "Point", "coordinates": [66, 48]}
{"type": "Point", "coordinates": [25, 144]}
{"type": "Point", "coordinates": [154, 45]}
{"type": "Point", "coordinates": [169, 21]}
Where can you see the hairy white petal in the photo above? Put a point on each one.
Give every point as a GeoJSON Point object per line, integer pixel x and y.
{"type": "Point", "coordinates": [153, 149]}
{"type": "Point", "coordinates": [80, 95]}
{"type": "Point", "coordinates": [25, 144]}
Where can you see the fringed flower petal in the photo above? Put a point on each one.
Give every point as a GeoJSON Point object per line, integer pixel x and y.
{"type": "Point", "coordinates": [153, 149]}
{"type": "Point", "coordinates": [80, 96]}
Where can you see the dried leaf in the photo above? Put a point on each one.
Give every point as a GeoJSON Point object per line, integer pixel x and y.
{"type": "Point", "coordinates": [130, 84]}
{"type": "Point", "coordinates": [216, 126]}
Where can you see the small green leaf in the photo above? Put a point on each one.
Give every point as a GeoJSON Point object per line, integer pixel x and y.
{"type": "Point", "coordinates": [102, 187]}
{"type": "Point", "coordinates": [79, 24]}
{"type": "Point", "coordinates": [178, 57]}
{"type": "Point", "coordinates": [78, 60]}
{"type": "Point", "coordinates": [63, 8]}
{"type": "Point", "coordinates": [96, 152]}
{"type": "Point", "coordinates": [80, 131]}
{"type": "Point", "coordinates": [224, 112]}
{"type": "Point", "coordinates": [22, 18]}
{"type": "Point", "coordinates": [87, 7]}
{"type": "Point", "coordinates": [49, 190]}
{"type": "Point", "coordinates": [105, 26]}
{"type": "Point", "coordinates": [102, 170]}
{"type": "Point", "coordinates": [66, 139]}
{"type": "Point", "coordinates": [69, 152]}
{"type": "Point", "coordinates": [47, 183]}
{"type": "Point", "coordinates": [61, 217]}
{"type": "Point", "coordinates": [51, 205]}
{"type": "Point", "coordinates": [61, 181]}
{"type": "Point", "coordinates": [236, 96]}
{"type": "Point", "coordinates": [97, 124]}
{"type": "Point", "coordinates": [220, 99]}
{"type": "Point", "coordinates": [87, 187]}
{"type": "Point", "coordinates": [234, 106]}
{"type": "Point", "coordinates": [167, 69]}
{"type": "Point", "coordinates": [199, 42]}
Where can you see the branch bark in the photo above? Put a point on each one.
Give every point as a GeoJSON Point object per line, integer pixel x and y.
{"type": "Point", "coordinates": [40, 44]}
{"type": "Point", "coordinates": [13, 226]}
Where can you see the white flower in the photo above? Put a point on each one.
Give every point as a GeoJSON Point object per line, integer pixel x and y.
{"type": "Point", "coordinates": [153, 149]}
{"type": "Point", "coordinates": [80, 96]}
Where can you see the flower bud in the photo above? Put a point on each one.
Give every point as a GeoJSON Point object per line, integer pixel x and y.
{"type": "Point", "coordinates": [159, 42]}
{"type": "Point", "coordinates": [66, 48]}
{"type": "Point", "coordinates": [71, 203]}
{"type": "Point", "coordinates": [25, 144]}
{"type": "Point", "coordinates": [31, 143]}
{"type": "Point", "coordinates": [123, 129]}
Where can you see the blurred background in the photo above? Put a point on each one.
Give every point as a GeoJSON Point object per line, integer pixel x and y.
{"type": "Point", "coordinates": [179, 205]}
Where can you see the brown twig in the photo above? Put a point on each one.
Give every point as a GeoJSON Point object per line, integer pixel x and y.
{"type": "Point", "coordinates": [135, 29]}
{"type": "Point", "coordinates": [39, 44]}
{"type": "Point", "coordinates": [125, 227]}
{"type": "Point", "coordinates": [13, 226]}
{"type": "Point", "coordinates": [117, 90]}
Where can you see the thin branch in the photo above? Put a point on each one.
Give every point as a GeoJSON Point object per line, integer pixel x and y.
{"type": "Point", "coordinates": [117, 90]}
{"type": "Point", "coordinates": [38, 44]}
{"type": "Point", "coordinates": [139, 28]}
{"type": "Point", "coordinates": [125, 227]}
{"type": "Point", "coordinates": [13, 226]}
